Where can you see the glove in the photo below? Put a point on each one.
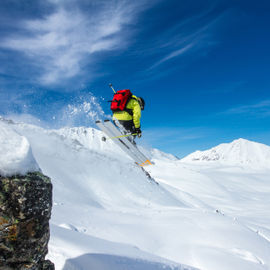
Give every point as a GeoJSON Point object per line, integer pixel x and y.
{"type": "Point", "coordinates": [138, 131]}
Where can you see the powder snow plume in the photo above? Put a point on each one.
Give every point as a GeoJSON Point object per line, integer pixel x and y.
{"type": "Point", "coordinates": [67, 110]}
{"type": "Point", "coordinates": [83, 111]}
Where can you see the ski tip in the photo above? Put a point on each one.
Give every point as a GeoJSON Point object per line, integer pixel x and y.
{"type": "Point", "coordinates": [147, 162]}
{"type": "Point", "coordinates": [106, 120]}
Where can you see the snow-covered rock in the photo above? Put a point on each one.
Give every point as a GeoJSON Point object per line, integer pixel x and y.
{"type": "Point", "coordinates": [25, 204]}
{"type": "Point", "coordinates": [238, 152]}
{"type": "Point", "coordinates": [15, 152]}
{"type": "Point", "coordinates": [25, 211]}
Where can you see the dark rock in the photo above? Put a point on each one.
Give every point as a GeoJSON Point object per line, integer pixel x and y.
{"type": "Point", "coordinates": [25, 210]}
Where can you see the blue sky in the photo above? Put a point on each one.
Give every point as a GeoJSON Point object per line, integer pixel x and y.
{"type": "Point", "coordinates": [202, 66]}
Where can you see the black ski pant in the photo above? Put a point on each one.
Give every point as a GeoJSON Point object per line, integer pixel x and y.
{"type": "Point", "coordinates": [128, 125]}
{"type": "Point", "coordinates": [128, 128]}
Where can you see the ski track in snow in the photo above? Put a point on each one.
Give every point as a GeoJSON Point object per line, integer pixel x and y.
{"type": "Point", "coordinates": [107, 214]}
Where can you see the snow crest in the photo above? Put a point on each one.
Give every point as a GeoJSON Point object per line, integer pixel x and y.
{"type": "Point", "coordinates": [15, 152]}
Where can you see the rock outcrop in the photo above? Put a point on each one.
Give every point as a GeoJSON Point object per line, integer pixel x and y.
{"type": "Point", "coordinates": [25, 210]}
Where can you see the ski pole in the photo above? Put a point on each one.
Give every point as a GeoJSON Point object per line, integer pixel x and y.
{"type": "Point", "coordinates": [121, 136]}
{"type": "Point", "coordinates": [112, 87]}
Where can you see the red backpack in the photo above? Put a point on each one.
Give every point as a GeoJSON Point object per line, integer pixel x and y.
{"type": "Point", "coordinates": [120, 100]}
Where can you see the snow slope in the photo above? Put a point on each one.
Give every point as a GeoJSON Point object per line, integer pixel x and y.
{"type": "Point", "coordinates": [109, 215]}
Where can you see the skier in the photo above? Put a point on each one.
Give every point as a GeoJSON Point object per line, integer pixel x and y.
{"type": "Point", "coordinates": [129, 114]}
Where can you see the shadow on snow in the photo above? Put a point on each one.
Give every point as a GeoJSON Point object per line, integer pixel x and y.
{"type": "Point", "coordinates": [112, 262]}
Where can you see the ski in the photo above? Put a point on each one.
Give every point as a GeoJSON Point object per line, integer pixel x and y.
{"type": "Point", "coordinates": [123, 142]}
{"type": "Point", "coordinates": [133, 148]}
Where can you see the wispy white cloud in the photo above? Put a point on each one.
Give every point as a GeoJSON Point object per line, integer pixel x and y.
{"type": "Point", "coordinates": [260, 109]}
{"type": "Point", "coordinates": [173, 54]}
{"type": "Point", "coordinates": [61, 43]}
{"type": "Point", "coordinates": [189, 36]}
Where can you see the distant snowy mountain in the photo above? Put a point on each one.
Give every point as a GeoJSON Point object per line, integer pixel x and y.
{"type": "Point", "coordinates": [238, 152]}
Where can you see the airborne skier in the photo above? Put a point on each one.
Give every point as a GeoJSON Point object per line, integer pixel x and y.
{"type": "Point", "coordinates": [126, 109]}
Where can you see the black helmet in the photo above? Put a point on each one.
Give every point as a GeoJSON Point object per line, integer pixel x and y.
{"type": "Point", "coordinates": [141, 102]}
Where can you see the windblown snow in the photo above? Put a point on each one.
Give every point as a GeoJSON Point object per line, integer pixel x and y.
{"type": "Point", "coordinates": [108, 215]}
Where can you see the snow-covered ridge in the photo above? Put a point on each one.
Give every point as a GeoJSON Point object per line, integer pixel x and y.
{"type": "Point", "coordinates": [15, 152]}
{"type": "Point", "coordinates": [238, 152]}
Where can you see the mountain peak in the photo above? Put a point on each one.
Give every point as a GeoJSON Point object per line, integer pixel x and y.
{"type": "Point", "coordinates": [238, 152]}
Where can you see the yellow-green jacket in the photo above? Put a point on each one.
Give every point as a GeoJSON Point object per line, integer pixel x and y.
{"type": "Point", "coordinates": [134, 107]}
